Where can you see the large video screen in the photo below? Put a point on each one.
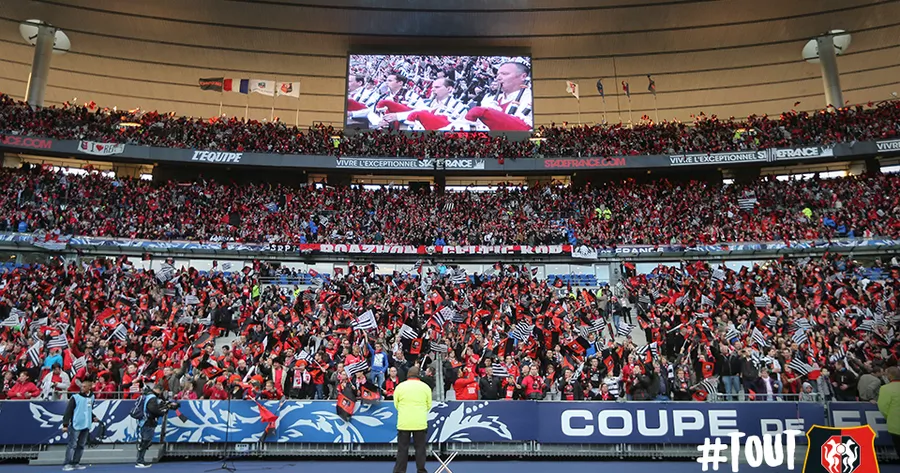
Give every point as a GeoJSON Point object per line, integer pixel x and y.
{"type": "Point", "coordinates": [439, 93]}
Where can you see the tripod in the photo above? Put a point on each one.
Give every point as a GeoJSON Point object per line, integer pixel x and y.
{"type": "Point", "coordinates": [225, 457]}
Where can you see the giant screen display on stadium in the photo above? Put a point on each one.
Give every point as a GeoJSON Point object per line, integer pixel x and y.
{"type": "Point", "coordinates": [439, 93]}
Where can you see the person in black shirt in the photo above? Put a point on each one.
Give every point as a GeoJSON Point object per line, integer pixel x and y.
{"type": "Point", "coordinates": [489, 386]}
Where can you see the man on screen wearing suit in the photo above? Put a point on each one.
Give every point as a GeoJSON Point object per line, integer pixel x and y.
{"type": "Point", "coordinates": [510, 109]}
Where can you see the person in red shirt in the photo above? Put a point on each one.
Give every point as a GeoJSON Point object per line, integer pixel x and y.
{"type": "Point", "coordinates": [510, 390]}
{"type": "Point", "coordinates": [215, 390]}
{"type": "Point", "coordinates": [24, 389]}
{"type": "Point", "coordinates": [104, 389]}
{"type": "Point", "coordinates": [466, 386]}
{"type": "Point", "coordinates": [604, 394]}
{"type": "Point", "coordinates": [533, 384]}
{"type": "Point", "coordinates": [81, 375]}
{"type": "Point", "coordinates": [391, 383]}
{"type": "Point", "coordinates": [269, 392]}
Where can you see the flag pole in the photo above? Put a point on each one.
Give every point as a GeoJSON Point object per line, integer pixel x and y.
{"type": "Point", "coordinates": [247, 108]}
{"type": "Point", "coordinates": [274, 94]}
{"type": "Point", "coordinates": [297, 118]}
{"type": "Point", "coordinates": [616, 76]}
{"type": "Point", "coordinates": [656, 107]}
{"type": "Point", "coordinates": [221, 95]}
{"type": "Point", "coordinates": [604, 110]}
{"type": "Point", "coordinates": [630, 115]}
{"type": "Point", "coordinates": [579, 112]}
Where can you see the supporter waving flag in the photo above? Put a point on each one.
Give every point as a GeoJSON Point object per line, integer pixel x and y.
{"type": "Point", "coordinates": [366, 321]}
{"type": "Point", "coordinates": [624, 329]}
{"type": "Point", "coordinates": [358, 367]}
{"type": "Point", "coordinates": [522, 331]}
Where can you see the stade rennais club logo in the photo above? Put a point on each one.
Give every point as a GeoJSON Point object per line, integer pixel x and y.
{"type": "Point", "coordinates": [841, 450]}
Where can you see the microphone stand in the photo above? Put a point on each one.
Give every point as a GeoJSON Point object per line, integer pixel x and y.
{"type": "Point", "coordinates": [225, 456]}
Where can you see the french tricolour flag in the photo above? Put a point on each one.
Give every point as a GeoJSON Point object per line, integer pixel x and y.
{"type": "Point", "coordinates": [241, 86]}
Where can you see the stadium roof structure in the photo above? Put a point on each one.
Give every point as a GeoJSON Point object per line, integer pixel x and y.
{"type": "Point", "coordinates": [730, 58]}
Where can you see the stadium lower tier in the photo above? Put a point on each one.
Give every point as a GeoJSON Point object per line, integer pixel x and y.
{"type": "Point", "coordinates": [627, 213]}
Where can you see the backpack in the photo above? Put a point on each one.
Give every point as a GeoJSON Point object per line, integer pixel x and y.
{"type": "Point", "coordinates": [139, 411]}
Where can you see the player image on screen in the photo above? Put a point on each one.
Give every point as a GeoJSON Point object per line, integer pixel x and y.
{"type": "Point", "coordinates": [440, 93]}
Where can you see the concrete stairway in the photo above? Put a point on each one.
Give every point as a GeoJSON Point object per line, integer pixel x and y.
{"type": "Point", "coordinates": [99, 455]}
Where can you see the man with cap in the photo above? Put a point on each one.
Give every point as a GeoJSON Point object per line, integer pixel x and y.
{"type": "Point", "coordinates": [77, 422]}
{"type": "Point", "coordinates": [154, 408]}
{"type": "Point", "coordinates": [412, 398]}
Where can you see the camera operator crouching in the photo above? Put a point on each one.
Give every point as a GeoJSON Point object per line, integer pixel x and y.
{"type": "Point", "coordinates": [147, 411]}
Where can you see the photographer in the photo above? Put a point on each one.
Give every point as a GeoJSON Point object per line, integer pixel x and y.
{"type": "Point", "coordinates": [153, 407]}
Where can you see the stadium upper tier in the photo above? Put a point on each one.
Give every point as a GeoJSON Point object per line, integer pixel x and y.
{"type": "Point", "coordinates": [626, 212]}
{"type": "Point", "coordinates": [705, 135]}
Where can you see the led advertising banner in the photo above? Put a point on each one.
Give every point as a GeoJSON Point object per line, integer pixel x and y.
{"type": "Point", "coordinates": [439, 93]}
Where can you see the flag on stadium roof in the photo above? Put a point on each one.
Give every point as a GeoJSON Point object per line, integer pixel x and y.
{"type": "Point", "coordinates": [288, 89]}
{"type": "Point", "coordinates": [600, 89]}
{"type": "Point", "coordinates": [213, 83]}
{"type": "Point", "coordinates": [626, 89]}
{"type": "Point", "coordinates": [240, 86]}
{"type": "Point", "coordinates": [572, 88]}
{"type": "Point", "coordinates": [652, 85]}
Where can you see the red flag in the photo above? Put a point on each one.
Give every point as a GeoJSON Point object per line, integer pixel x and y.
{"type": "Point", "coordinates": [345, 406]}
{"type": "Point", "coordinates": [369, 395]}
{"type": "Point", "coordinates": [415, 347]}
{"type": "Point", "coordinates": [266, 416]}
{"type": "Point", "coordinates": [707, 369]}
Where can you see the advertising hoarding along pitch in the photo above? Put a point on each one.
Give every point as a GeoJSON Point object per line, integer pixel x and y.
{"type": "Point", "coordinates": [566, 422]}
{"type": "Point", "coordinates": [439, 93]}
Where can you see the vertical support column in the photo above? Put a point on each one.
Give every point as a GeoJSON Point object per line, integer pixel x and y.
{"type": "Point", "coordinates": [830, 75]}
{"type": "Point", "coordinates": [40, 66]}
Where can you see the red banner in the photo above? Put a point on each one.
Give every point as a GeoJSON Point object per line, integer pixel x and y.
{"type": "Point", "coordinates": [429, 250]}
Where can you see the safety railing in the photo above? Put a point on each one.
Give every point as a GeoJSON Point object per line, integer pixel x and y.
{"type": "Point", "coordinates": [440, 397]}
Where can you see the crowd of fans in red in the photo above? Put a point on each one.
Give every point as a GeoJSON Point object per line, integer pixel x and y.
{"type": "Point", "coordinates": [824, 330]}
{"type": "Point", "coordinates": [706, 134]}
{"type": "Point", "coordinates": [605, 215]}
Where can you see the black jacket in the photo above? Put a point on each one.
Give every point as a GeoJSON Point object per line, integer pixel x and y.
{"type": "Point", "coordinates": [731, 365]}
{"type": "Point", "coordinates": [489, 387]}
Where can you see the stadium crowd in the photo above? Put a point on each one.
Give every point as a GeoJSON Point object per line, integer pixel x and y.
{"type": "Point", "coordinates": [704, 135]}
{"type": "Point", "coordinates": [810, 329]}
{"type": "Point", "coordinates": [605, 215]}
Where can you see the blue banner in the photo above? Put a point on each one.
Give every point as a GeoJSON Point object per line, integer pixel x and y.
{"type": "Point", "coordinates": [456, 421]}
{"type": "Point", "coordinates": [675, 423]}
{"type": "Point", "coordinates": [853, 414]}
{"type": "Point", "coordinates": [298, 421]}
